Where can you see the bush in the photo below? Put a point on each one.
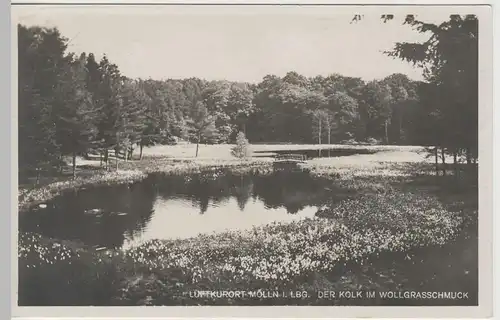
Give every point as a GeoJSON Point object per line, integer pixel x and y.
{"type": "Point", "coordinates": [242, 148]}
{"type": "Point", "coordinates": [373, 142]}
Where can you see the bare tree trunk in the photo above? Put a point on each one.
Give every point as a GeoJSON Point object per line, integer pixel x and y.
{"type": "Point", "coordinates": [455, 163]}
{"type": "Point", "coordinates": [74, 165]}
{"type": "Point", "coordinates": [131, 154]}
{"type": "Point", "coordinates": [319, 138]}
{"type": "Point", "coordinates": [125, 156]}
{"type": "Point", "coordinates": [117, 151]}
{"type": "Point", "coordinates": [100, 158]}
{"type": "Point", "coordinates": [37, 181]}
{"type": "Point", "coordinates": [61, 165]}
{"type": "Point", "coordinates": [198, 144]}
{"type": "Point", "coordinates": [443, 160]}
{"type": "Point", "coordinates": [468, 155]}
{"type": "Point", "coordinates": [319, 133]}
{"type": "Point", "coordinates": [400, 127]}
{"type": "Point", "coordinates": [140, 150]}
{"type": "Point", "coordinates": [329, 140]}
{"type": "Point", "coordinates": [436, 160]}
{"type": "Point", "coordinates": [106, 159]}
{"type": "Point", "coordinates": [116, 158]}
{"type": "Point", "coordinates": [386, 125]}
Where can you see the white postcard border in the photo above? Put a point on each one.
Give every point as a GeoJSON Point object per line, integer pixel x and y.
{"type": "Point", "coordinates": [485, 207]}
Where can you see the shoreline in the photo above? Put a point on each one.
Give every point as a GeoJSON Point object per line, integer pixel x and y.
{"type": "Point", "coordinates": [396, 213]}
{"type": "Point", "coordinates": [137, 170]}
{"type": "Point", "coordinates": [130, 172]}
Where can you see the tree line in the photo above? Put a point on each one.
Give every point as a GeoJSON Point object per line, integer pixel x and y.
{"type": "Point", "coordinates": [449, 97]}
{"type": "Point", "coordinates": [72, 105]}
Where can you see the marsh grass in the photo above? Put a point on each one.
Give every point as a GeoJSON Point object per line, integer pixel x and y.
{"type": "Point", "coordinates": [168, 165]}
{"type": "Point", "coordinates": [398, 230]}
{"type": "Point", "coordinates": [337, 251]}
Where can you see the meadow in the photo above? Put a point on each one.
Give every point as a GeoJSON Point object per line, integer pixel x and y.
{"type": "Point", "coordinates": [399, 220]}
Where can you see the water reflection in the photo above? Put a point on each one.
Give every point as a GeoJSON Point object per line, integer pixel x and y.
{"type": "Point", "coordinates": [166, 207]}
{"type": "Point", "coordinates": [175, 218]}
{"type": "Point", "coordinates": [315, 153]}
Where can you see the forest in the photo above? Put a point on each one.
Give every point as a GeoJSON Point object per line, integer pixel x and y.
{"type": "Point", "coordinates": [75, 104]}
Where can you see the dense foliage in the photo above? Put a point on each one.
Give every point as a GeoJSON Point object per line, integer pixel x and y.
{"type": "Point", "coordinates": [449, 108]}
{"type": "Point", "coordinates": [74, 105]}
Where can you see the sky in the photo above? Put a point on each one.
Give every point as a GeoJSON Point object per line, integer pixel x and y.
{"type": "Point", "coordinates": [237, 43]}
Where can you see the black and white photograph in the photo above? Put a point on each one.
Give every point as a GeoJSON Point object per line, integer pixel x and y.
{"type": "Point", "coordinates": [228, 156]}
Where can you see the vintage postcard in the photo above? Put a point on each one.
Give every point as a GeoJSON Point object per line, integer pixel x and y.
{"type": "Point", "coordinates": [217, 160]}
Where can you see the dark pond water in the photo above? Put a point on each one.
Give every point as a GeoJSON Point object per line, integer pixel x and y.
{"type": "Point", "coordinates": [315, 153]}
{"type": "Point", "coordinates": [166, 207]}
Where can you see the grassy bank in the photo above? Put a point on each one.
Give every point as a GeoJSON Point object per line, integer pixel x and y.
{"type": "Point", "coordinates": [223, 151]}
{"type": "Point", "coordinates": [133, 171]}
{"type": "Point", "coordinates": [399, 223]}
{"type": "Point", "coordinates": [28, 197]}
{"type": "Point", "coordinates": [167, 165]}
{"type": "Point", "coordinates": [180, 160]}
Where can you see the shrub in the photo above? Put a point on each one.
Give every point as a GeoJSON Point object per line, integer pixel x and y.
{"type": "Point", "coordinates": [373, 141]}
{"type": "Point", "coordinates": [242, 148]}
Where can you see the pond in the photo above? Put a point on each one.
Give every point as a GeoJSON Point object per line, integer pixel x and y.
{"type": "Point", "coordinates": [169, 207]}
{"type": "Point", "coordinates": [182, 206]}
{"type": "Point", "coordinates": [315, 153]}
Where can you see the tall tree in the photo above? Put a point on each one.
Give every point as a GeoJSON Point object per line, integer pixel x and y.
{"type": "Point", "coordinates": [201, 123]}
{"type": "Point", "coordinates": [151, 133]}
{"type": "Point", "coordinates": [403, 92]}
{"type": "Point", "coordinates": [331, 125]}
{"type": "Point", "coordinates": [268, 121]}
{"type": "Point", "coordinates": [240, 105]}
{"type": "Point", "coordinates": [75, 112]}
{"type": "Point", "coordinates": [216, 98]}
{"type": "Point", "coordinates": [42, 59]}
{"type": "Point", "coordinates": [319, 117]}
{"type": "Point", "coordinates": [343, 115]}
{"type": "Point", "coordinates": [134, 115]}
{"type": "Point", "coordinates": [376, 109]}
{"type": "Point", "coordinates": [109, 121]}
{"type": "Point", "coordinates": [449, 59]}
